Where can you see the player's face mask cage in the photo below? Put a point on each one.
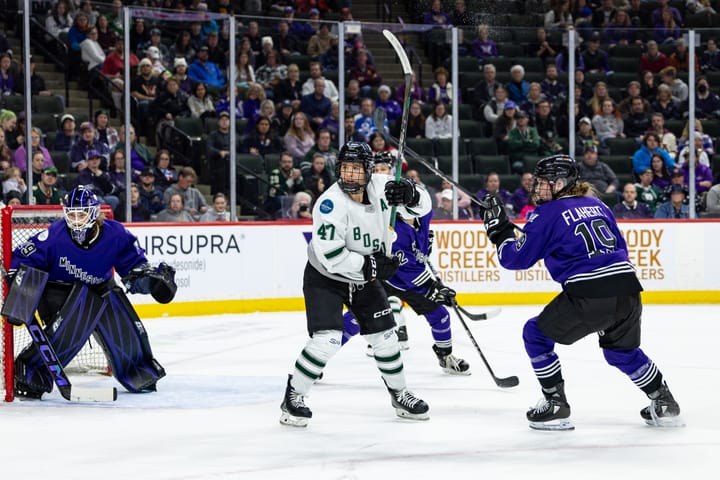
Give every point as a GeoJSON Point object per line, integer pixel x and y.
{"type": "Point", "coordinates": [551, 169]}
{"type": "Point", "coordinates": [354, 167]}
{"type": "Point", "coordinates": [384, 163]}
{"type": "Point", "coordinates": [81, 210]}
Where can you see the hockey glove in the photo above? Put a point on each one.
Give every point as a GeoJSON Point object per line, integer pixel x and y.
{"type": "Point", "coordinates": [379, 266]}
{"type": "Point", "coordinates": [402, 193]}
{"type": "Point", "coordinates": [497, 224]}
{"type": "Point", "coordinates": [439, 293]}
{"type": "Point", "coordinates": [159, 281]}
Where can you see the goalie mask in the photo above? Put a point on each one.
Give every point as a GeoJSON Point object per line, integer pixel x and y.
{"type": "Point", "coordinates": [354, 167]}
{"type": "Point", "coordinates": [548, 172]}
{"type": "Point", "coordinates": [81, 209]}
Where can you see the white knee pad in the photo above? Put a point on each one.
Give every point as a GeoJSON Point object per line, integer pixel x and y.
{"type": "Point", "coordinates": [397, 306]}
{"type": "Point", "coordinates": [313, 358]}
{"type": "Point", "coordinates": [386, 350]}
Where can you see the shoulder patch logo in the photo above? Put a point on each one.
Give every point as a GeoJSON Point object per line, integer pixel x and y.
{"type": "Point", "coordinates": [42, 236]}
{"type": "Point", "coordinates": [326, 206]}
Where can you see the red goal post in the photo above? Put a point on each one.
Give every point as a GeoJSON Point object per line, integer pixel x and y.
{"type": "Point", "coordinates": [17, 225]}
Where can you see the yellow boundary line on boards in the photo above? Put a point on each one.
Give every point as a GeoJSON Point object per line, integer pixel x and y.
{"type": "Point", "coordinates": [220, 307]}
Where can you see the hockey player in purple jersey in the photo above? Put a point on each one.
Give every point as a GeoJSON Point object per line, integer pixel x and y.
{"type": "Point", "coordinates": [576, 236]}
{"type": "Point", "coordinates": [415, 283]}
{"type": "Point", "coordinates": [81, 298]}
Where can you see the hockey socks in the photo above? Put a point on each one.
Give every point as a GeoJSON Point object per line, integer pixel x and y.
{"type": "Point", "coordinates": [386, 351]}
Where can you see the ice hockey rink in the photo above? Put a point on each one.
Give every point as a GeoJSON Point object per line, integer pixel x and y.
{"type": "Point", "coordinates": [215, 415]}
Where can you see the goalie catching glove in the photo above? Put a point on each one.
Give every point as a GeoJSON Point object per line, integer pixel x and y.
{"type": "Point", "coordinates": [380, 266]}
{"type": "Point", "coordinates": [158, 282]}
{"type": "Point", "coordinates": [440, 293]}
{"type": "Point", "coordinates": [402, 193]}
{"type": "Point", "coordinates": [497, 224]}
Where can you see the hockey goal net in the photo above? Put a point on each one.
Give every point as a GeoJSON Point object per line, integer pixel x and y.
{"type": "Point", "coordinates": [18, 224]}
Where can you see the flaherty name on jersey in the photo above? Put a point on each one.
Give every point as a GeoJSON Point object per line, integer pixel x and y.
{"type": "Point", "coordinates": [573, 215]}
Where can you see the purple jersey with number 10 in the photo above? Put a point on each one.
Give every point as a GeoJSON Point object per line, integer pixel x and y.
{"type": "Point", "coordinates": [577, 237]}
{"type": "Point", "coordinates": [54, 251]}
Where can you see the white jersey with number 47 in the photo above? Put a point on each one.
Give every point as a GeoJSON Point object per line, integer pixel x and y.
{"type": "Point", "coordinates": [344, 231]}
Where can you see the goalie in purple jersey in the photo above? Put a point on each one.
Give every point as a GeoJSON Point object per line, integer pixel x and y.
{"type": "Point", "coordinates": [81, 298]}
{"type": "Point", "coordinates": [415, 283]}
{"type": "Point", "coordinates": [578, 238]}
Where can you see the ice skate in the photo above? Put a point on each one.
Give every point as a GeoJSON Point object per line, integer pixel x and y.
{"type": "Point", "coordinates": [450, 363]}
{"type": "Point", "coordinates": [407, 405]}
{"type": "Point", "coordinates": [25, 390]}
{"type": "Point", "coordinates": [403, 338]}
{"type": "Point", "coordinates": [663, 410]}
{"type": "Point", "coordinates": [294, 411]}
{"type": "Point", "coordinates": [552, 412]}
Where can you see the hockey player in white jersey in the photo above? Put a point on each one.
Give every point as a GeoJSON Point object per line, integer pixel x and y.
{"type": "Point", "coordinates": [346, 264]}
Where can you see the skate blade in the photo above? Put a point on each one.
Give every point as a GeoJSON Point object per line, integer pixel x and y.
{"type": "Point", "coordinates": [450, 371]}
{"type": "Point", "coordinates": [293, 421]}
{"type": "Point", "coordinates": [666, 422]}
{"type": "Point", "coordinates": [411, 416]}
{"type": "Point", "coordinates": [552, 425]}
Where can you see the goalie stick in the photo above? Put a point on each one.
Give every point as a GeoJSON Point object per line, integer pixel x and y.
{"type": "Point", "coordinates": [20, 305]}
{"type": "Point", "coordinates": [408, 74]}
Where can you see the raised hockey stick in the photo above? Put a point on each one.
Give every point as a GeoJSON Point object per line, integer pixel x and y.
{"type": "Point", "coordinates": [407, 73]}
{"type": "Point", "coordinates": [20, 306]}
{"type": "Point", "coordinates": [507, 382]}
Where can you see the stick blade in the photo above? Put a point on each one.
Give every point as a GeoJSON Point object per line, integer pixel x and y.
{"type": "Point", "coordinates": [508, 382]}
{"type": "Point", "coordinates": [91, 395]}
{"type": "Point", "coordinates": [400, 51]}
{"type": "Point", "coordinates": [492, 313]}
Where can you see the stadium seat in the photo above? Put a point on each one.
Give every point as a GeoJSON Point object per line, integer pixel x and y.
{"type": "Point", "coordinates": [675, 126]}
{"type": "Point", "coordinates": [47, 122]}
{"type": "Point", "coordinates": [622, 146]}
{"type": "Point", "coordinates": [711, 127]}
{"type": "Point", "coordinates": [483, 146]}
{"type": "Point", "coordinates": [253, 163]}
{"type": "Point", "coordinates": [421, 146]}
{"type": "Point", "coordinates": [192, 127]}
{"type": "Point", "coordinates": [465, 165]}
{"type": "Point", "coordinates": [511, 50]}
{"type": "Point", "coordinates": [48, 104]}
{"type": "Point", "coordinates": [626, 51]}
{"type": "Point", "coordinates": [61, 160]}
{"type": "Point", "coordinates": [510, 182]}
{"type": "Point", "coordinates": [472, 182]}
{"type": "Point", "coordinates": [485, 164]}
{"type": "Point", "coordinates": [444, 147]}
{"type": "Point", "coordinates": [470, 128]}
{"type": "Point", "coordinates": [624, 64]}
{"type": "Point", "coordinates": [16, 103]}
{"type": "Point", "coordinates": [620, 164]}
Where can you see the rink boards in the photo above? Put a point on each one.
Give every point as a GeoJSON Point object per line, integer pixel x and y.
{"type": "Point", "coordinates": [251, 267]}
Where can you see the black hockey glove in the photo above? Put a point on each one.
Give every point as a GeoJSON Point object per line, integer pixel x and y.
{"type": "Point", "coordinates": [402, 193]}
{"type": "Point", "coordinates": [379, 266]}
{"type": "Point", "coordinates": [497, 224]}
{"type": "Point", "coordinates": [439, 293]}
{"type": "Point", "coordinates": [158, 282]}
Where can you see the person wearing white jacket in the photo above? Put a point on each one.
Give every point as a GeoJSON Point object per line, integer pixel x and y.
{"type": "Point", "coordinates": [439, 123]}
{"type": "Point", "coordinates": [91, 51]}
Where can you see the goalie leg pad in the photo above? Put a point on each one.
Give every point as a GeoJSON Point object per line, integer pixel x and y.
{"type": "Point", "coordinates": [67, 332]}
{"type": "Point", "coordinates": [126, 345]}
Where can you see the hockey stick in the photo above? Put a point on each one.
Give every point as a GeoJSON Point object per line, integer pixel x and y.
{"type": "Point", "coordinates": [20, 306]}
{"type": "Point", "coordinates": [492, 313]}
{"type": "Point", "coordinates": [407, 73]}
{"type": "Point", "coordinates": [507, 382]}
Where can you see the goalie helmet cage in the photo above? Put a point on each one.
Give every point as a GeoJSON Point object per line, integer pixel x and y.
{"type": "Point", "coordinates": [17, 225]}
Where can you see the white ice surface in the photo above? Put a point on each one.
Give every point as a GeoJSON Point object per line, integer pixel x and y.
{"type": "Point", "coordinates": [216, 413]}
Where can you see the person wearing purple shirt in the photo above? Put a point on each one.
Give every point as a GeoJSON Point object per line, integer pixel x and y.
{"type": "Point", "coordinates": [483, 47]}
{"type": "Point", "coordinates": [416, 91]}
{"type": "Point", "coordinates": [492, 186]}
{"type": "Point", "coordinates": [81, 255]}
{"type": "Point", "coordinates": [703, 176]}
{"type": "Point", "coordinates": [521, 195]}
{"type": "Point", "coordinates": [392, 108]}
{"type": "Point", "coordinates": [415, 283]}
{"type": "Point", "coordinates": [576, 237]}
{"type": "Point", "coordinates": [629, 207]}
{"type": "Point", "coordinates": [435, 16]}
